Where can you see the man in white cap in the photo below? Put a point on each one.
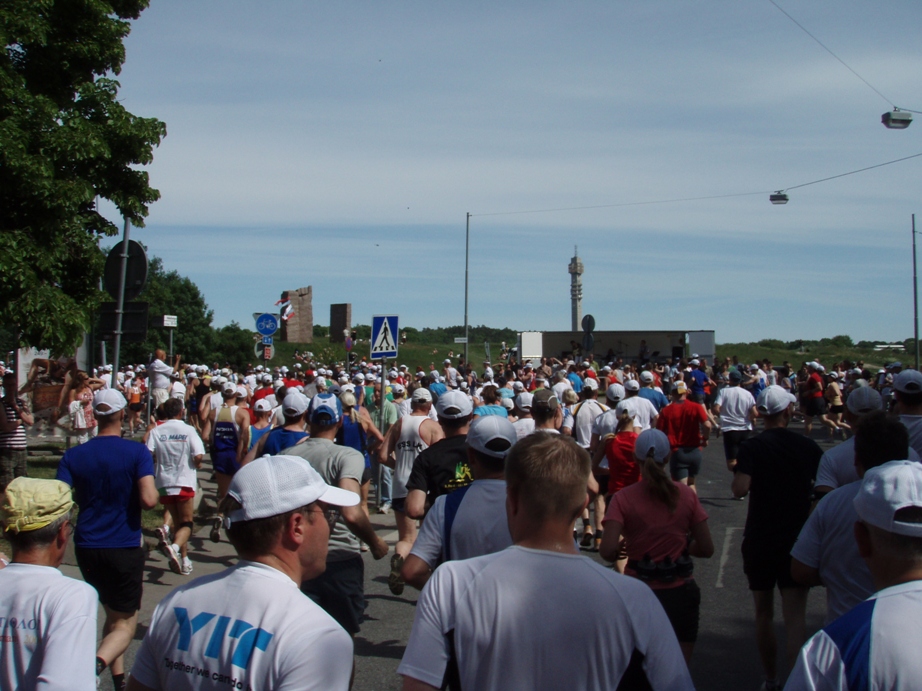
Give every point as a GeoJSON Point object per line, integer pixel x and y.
{"type": "Point", "coordinates": [53, 642]}
{"type": "Point", "coordinates": [643, 412]}
{"type": "Point", "coordinates": [470, 521]}
{"type": "Point", "coordinates": [178, 451]}
{"type": "Point", "coordinates": [648, 391]}
{"type": "Point", "coordinates": [777, 469]}
{"type": "Point", "coordinates": [907, 390]}
{"type": "Point", "coordinates": [107, 539]}
{"type": "Point", "coordinates": [837, 466]}
{"type": "Point", "coordinates": [525, 424]}
{"type": "Point", "coordinates": [876, 644]}
{"type": "Point", "coordinates": [825, 552]}
{"type": "Point", "coordinates": [546, 478]}
{"type": "Point", "coordinates": [442, 468]}
{"type": "Point", "coordinates": [406, 438]}
{"type": "Point", "coordinates": [249, 626]}
{"type": "Point", "coordinates": [226, 429]}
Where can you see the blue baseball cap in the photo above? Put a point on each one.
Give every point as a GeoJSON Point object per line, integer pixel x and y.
{"type": "Point", "coordinates": [325, 410]}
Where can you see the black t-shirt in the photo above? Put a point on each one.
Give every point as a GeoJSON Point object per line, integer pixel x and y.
{"type": "Point", "coordinates": [442, 468]}
{"type": "Point", "coordinates": [782, 465]}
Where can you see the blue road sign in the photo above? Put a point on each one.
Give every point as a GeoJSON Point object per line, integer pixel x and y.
{"type": "Point", "coordinates": [267, 340]}
{"type": "Point", "coordinates": [383, 336]}
{"type": "Point", "coordinates": [267, 324]}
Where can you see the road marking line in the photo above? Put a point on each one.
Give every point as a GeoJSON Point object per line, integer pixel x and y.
{"type": "Point", "coordinates": [724, 557]}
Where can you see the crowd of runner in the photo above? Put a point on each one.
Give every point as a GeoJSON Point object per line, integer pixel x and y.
{"type": "Point", "coordinates": [495, 478]}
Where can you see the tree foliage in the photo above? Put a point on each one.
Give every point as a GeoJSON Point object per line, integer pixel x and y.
{"type": "Point", "coordinates": [64, 140]}
{"type": "Point", "coordinates": [167, 292]}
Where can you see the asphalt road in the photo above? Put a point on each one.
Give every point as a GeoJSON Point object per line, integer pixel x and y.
{"type": "Point", "coordinates": [725, 656]}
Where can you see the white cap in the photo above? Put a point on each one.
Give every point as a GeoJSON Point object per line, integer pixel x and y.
{"type": "Point", "coordinates": [108, 401]}
{"type": "Point", "coordinates": [492, 435]}
{"type": "Point", "coordinates": [454, 405]}
{"type": "Point", "coordinates": [273, 485]}
{"type": "Point", "coordinates": [615, 393]}
{"type": "Point", "coordinates": [518, 386]}
{"type": "Point", "coordinates": [646, 376]}
{"type": "Point", "coordinates": [295, 404]}
{"type": "Point", "coordinates": [524, 400]}
{"type": "Point", "coordinates": [651, 439]}
{"type": "Point", "coordinates": [359, 377]}
{"type": "Point", "coordinates": [434, 375]}
{"type": "Point", "coordinates": [262, 406]}
{"type": "Point", "coordinates": [242, 392]}
{"type": "Point", "coordinates": [278, 384]}
{"type": "Point", "coordinates": [885, 490]}
{"type": "Point", "coordinates": [632, 385]}
{"type": "Point", "coordinates": [591, 384]}
{"type": "Point", "coordinates": [774, 399]}
{"type": "Point", "coordinates": [863, 400]}
{"type": "Point", "coordinates": [507, 403]}
{"type": "Point", "coordinates": [348, 387]}
{"type": "Point", "coordinates": [446, 361]}
{"type": "Point", "coordinates": [422, 394]}
{"type": "Point", "coordinates": [229, 387]}
{"type": "Point", "coordinates": [398, 389]}
{"type": "Point", "coordinates": [695, 362]}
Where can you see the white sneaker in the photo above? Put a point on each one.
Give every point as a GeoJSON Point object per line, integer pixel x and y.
{"type": "Point", "coordinates": [186, 566]}
{"type": "Point", "coordinates": [163, 538]}
{"type": "Point", "coordinates": [172, 554]}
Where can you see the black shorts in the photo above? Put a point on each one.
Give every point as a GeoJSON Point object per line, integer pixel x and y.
{"type": "Point", "coordinates": [399, 504]}
{"type": "Point", "coordinates": [366, 475]}
{"type": "Point", "coordinates": [136, 407]}
{"type": "Point", "coordinates": [685, 462]}
{"type": "Point", "coordinates": [814, 407]}
{"type": "Point", "coordinates": [603, 483]}
{"type": "Point", "coordinates": [682, 606]}
{"type": "Point", "coordinates": [766, 566]}
{"type": "Point", "coordinates": [116, 574]}
{"type": "Point", "coordinates": [696, 398]}
{"type": "Point", "coordinates": [340, 591]}
{"type": "Point", "coordinates": [837, 409]}
{"type": "Point", "coordinates": [732, 441]}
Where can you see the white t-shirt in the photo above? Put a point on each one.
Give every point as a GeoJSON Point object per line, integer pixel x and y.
{"type": "Point", "coordinates": [874, 646]}
{"type": "Point", "coordinates": [47, 629]}
{"type": "Point", "coordinates": [159, 373]}
{"type": "Point", "coordinates": [606, 423]}
{"type": "Point", "coordinates": [524, 427]}
{"type": "Point", "coordinates": [516, 627]}
{"type": "Point", "coordinates": [250, 624]}
{"type": "Point", "coordinates": [837, 465]}
{"type": "Point", "coordinates": [174, 444]}
{"type": "Point", "coordinates": [560, 387]}
{"type": "Point", "coordinates": [480, 526]}
{"type": "Point", "coordinates": [827, 543]}
{"type": "Point", "coordinates": [587, 412]}
{"type": "Point", "coordinates": [640, 409]}
{"type": "Point", "coordinates": [735, 404]}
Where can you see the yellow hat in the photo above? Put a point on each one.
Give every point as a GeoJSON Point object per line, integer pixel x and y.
{"type": "Point", "coordinates": [31, 503]}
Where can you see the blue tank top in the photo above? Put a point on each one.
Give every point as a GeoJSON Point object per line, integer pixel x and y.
{"type": "Point", "coordinates": [257, 434]}
{"type": "Point", "coordinates": [226, 434]}
{"type": "Point", "coordinates": [280, 439]}
{"type": "Point", "coordinates": [352, 434]}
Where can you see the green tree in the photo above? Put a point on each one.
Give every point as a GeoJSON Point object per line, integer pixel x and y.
{"type": "Point", "coordinates": [64, 141]}
{"type": "Point", "coordinates": [166, 292]}
{"type": "Point", "coordinates": [233, 345]}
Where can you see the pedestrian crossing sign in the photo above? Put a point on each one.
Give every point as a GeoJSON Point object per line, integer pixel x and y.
{"type": "Point", "coordinates": [383, 336]}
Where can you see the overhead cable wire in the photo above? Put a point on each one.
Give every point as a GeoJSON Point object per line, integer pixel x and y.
{"type": "Point", "coordinates": [692, 199]}
{"type": "Point", "coordinates": [844, 64]}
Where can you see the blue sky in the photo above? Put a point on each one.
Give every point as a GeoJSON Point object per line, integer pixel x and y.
{"type": "Point", "coordinates": [340, 145]}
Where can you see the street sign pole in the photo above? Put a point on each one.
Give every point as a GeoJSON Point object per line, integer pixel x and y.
{"type": "Point", "coordinates": [378, 502]}
{"type": "Point", "coordinates": [116, 351]}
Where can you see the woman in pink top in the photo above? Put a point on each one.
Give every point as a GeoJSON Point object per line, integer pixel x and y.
{"type": "Point", "coordinates": [663, 525]}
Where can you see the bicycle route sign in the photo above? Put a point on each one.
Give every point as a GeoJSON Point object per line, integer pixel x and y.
{"type": "Point", "coordinates": [267, 324]}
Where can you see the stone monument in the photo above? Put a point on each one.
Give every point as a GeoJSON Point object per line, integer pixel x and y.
{"type": "Point", "coordinates": [340, 320]}
{"type": "Point", "coordinates": [299, 327]}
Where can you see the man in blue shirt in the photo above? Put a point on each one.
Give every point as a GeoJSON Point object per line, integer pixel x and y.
{"type": "Point", "coordinates": [574, 379]}
{"type": "Point", "coordinates": [697, 379]}
{"type": "Point", "coordinates": [113, 479]}
{"type": "Point", "coordinates": [647, 391]}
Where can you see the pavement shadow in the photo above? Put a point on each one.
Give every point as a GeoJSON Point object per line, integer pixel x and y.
{"type": "Point", "coordinates": [392, 649]}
